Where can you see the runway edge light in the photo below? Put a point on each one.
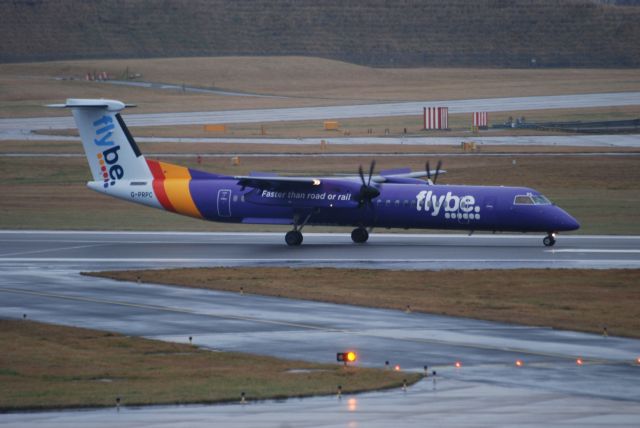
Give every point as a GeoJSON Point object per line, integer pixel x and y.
{"type": "Point", "coordinates": [347, 357]}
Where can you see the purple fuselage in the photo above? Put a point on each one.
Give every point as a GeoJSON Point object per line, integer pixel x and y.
{"type": "Point", "coordinates": [409, 205]}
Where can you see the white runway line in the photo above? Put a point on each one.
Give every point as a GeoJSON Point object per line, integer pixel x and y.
{"type": "Point", "coordinates": [22, 253]}
{"type": "Point", "coordinates": [592, 250]}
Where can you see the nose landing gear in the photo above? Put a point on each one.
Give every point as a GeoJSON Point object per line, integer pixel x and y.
{"type": "Point", "coordinates": [359, 235]}
{"type": "Point", "coordinates": [549, 240]}
{"type": "Point", "coordinates": [293, 238]}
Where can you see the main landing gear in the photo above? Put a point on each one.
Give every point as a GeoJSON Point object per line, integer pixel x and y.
{"type": "Point", "coordinates": [549, 240]}
{"type": "Point", "coordinates": [359, 235]}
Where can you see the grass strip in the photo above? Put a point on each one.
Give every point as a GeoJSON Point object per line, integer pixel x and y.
{"type": "Point", "coordinates": [571, 299]}
{"type": "Point", "coordinates": [46, 366]}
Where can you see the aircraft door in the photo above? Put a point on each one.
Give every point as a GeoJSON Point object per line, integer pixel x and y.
{"type": "Point", "coordinates": [224, 203]}
{"type": "Point", "coordinates": [489, 209]}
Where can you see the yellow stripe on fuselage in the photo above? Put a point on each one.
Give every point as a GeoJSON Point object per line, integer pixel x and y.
{"type": "Point", "coordinates": [176, 184]}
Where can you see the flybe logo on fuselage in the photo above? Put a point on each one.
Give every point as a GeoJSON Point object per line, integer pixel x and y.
{"type": "Point", "coordinates": [108, 158]}
{"type": "Point", "coordinates": [454, 207]}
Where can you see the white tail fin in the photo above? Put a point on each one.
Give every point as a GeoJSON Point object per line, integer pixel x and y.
{"type": "Point", "coordinates": [111, 151]}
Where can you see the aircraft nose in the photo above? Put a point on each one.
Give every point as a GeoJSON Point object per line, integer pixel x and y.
{"type": "Point", "coordinates": [567, 222]}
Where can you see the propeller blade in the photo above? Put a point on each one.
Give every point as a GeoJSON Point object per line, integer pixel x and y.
{"type": "Point", "coordinates": [367, 191]}
{"type": "Point", "coordinates": [428, 171]}
{"type": "Point", "coordinates": [435, 177]}
{"type": "Point", "coordinates": [371, 168]}
{"type": "Point", "coordinates": [361, 172]}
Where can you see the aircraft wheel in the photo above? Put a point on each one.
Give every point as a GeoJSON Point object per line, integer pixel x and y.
{"type": "Point", "coordinates": [549, 241]}
{"type": "Point", "coordinates": [359, 235]}
{"type": "Point", "coordinates": [293, 238]}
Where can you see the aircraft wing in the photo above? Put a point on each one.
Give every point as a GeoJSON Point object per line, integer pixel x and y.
{"type": "Point", "coordinates": [272, 182]}
{"type": "Point", "coordinates": [277, 182]}
{"type": "Point", "coordinates": [402, 176]}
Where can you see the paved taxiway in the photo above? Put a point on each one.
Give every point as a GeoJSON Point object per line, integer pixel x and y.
{"type": "Point", "coordinates": [627, 140]}
{"type": "Point", "coordinates": [39, 277]}
{"type": "Point", "coordinates": [17, 127]}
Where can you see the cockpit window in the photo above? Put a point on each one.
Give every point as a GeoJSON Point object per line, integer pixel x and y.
{"type": "Point", "coordinates": [531, 200]}
{"type": "Point", "coordinates": [541, 200]}
{"type": "Point", "coordinates": [523, 200]}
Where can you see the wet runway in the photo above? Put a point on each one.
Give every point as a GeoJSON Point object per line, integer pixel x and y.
{"type": "Point", "coordinates": [39, 276]}
{"type": "Point", "coordinates": [391, 250]}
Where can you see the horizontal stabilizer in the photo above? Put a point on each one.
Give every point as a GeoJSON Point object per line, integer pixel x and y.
{"type": "Point", "coordinates": [109, 105]}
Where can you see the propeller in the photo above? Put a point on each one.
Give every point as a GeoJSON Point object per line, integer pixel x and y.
{"type": "Point", "coordinates": [428, 169]}
{"type": "Point", "coordinates": [367, 191]}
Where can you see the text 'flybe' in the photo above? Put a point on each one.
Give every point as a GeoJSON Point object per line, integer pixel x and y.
{"type": "Point", "coordinates": [108, 159]}
{"type": "Point", "coordinates": [461, 207]}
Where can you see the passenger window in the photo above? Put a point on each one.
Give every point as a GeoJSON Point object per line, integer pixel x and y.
{"type": "Point", "coordinates": [405, 203]}
{"type": "Point", "coordinates": [387, 203]}
{"type": "Point", "coordinates": [397, 203]}
{"type": "Point", "coordinates": [242, 198]}
{"type": "Point", "coordinates": [235, 198]}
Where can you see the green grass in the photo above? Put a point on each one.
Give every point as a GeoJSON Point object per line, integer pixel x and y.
{"type": "Point", "coordinates": [45, 366]}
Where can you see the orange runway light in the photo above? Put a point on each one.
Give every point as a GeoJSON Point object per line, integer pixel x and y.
{"type": "Point", "coordinates": [347, 357]}
{"type": "Point", "coordinates": [638, 360]}
{"type": "Point", "coordinates": [519, 363]}
{"type": "Point", "coordinates": [458, 364]}
{"type": "Point", "coordinates": [579, 361]}
{"type": "Point", "coordinates": [397, 368]}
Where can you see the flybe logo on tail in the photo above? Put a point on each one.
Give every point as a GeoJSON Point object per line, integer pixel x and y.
{"type": "Point", "coordinates": [108, 158]}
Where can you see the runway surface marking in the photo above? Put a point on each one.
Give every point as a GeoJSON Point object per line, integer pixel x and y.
{"type": "Point", "coordinates": [49, 250]}
{"type": "Point", "coordinates": [591, 250]}
{"type": "Point", "coordinates": [306, 326]}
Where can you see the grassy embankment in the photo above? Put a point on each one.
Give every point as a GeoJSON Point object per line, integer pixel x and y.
{"type": "Point", "coordinates": [47, 366]}
{"type": "Point", "coordinates": [49, 193]}
{"type": "Point", "coordinates": [583, 300]}
{"type": "Point", "coordinates": [458, 33]}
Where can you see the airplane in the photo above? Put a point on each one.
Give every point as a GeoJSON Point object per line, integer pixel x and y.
{"type": "Point", "coordinates": [389, 199]}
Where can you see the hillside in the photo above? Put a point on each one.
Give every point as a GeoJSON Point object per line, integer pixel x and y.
{"type": "Point", "coordinates": [570, 33]}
